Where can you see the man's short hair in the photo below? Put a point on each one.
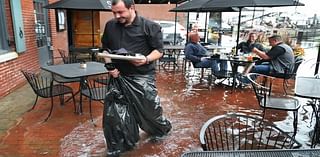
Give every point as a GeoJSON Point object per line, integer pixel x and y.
{"type": "Point", "coordinates": [276, 37]}
{"type": "Point", "coordinates": [127, 3]}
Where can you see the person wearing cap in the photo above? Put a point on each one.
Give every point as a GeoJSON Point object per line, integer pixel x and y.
{"type": "Point", "coordinates": [279, 58]}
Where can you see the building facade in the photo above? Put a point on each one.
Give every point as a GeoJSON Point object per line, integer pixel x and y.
{"type": "Point", "coordinates": [31, 34]}
{"type": "Point", "coordinates": [27, 35]}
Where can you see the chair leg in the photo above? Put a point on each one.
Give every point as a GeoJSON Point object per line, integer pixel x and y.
{"type": "Point", "coordinates": [295, 122]}
{"type": "Point", "coordinates": [263, 113]}
{"type": "Point", "coordinates": [90, 109]}
{"type": "Point", "coordinates": [51, 108]}
{"type": "Point", "coordinates": [74, 103]}
{"type": "Point", "coordinates": [61, 100]}
{"type": "Point", "coordinates": [34, 105]}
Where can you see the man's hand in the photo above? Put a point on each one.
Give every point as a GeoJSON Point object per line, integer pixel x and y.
{"type": "Point", "coordinates": [254, 50]}
{"type": "Point", "coordinates": [203, 58]}
{"type": "Point", "coordinates": [114, 73]}
{"type": "Point", "coordinates": [139, 62]}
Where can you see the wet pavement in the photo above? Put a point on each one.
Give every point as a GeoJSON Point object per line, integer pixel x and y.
{"type": "Point", "coordinates": [188, 103]}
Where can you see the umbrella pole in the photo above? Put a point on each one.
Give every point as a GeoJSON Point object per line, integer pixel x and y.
{"type": "Point", "coordinates": [316, 71]}
{"type": "Point", "coordinates": [175, 27]}
{"type": "Point", "coordinates": [238, 31]}
{"type": "Point", "coordinates": [188, 29]}
{"type": "Point", "coordinates": [206, 28]}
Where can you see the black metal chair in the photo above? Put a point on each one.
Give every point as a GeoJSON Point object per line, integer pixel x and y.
{"type": "Point", "coordinates": [236, 131]}
{"type": "Point", "coordinates": [288, 74]}
{"type": "Point", "coordinates": [44, 87]}
{"type": "Point", "coordinates": [66, 60]}
{"type": "Point", "coordinates": [95, 89]}
{"type": "Point", "coordinates": [269, 99]}
{"type": "Point", "coordinates": [168, 61]}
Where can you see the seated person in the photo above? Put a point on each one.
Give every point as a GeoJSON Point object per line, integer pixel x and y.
{"type": "Point", "coordinates": [279, 58]}
{"type": "Point", "coordinates": [198, 55]}
{"type": "Point", "coordinates": [246, 46]}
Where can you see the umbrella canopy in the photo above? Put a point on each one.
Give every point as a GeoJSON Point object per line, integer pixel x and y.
{"type": "Point", "coordinates": [99, 5]}
{"type": "Point", "coordinates": [199, 6]}
{"type": "Point", "coordinates": [230, 5]}
{"type": "Point", "coordinates": [85, 5]}
{"type": "Point", "coordinates": [158, 1]}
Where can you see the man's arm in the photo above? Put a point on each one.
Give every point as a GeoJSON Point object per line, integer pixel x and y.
{"type": "Point", "coordinates": [261, 54]}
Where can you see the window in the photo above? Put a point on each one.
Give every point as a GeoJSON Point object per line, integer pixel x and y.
{"type": "Point", "coordinates": [4, 47]}
{"type": "Point", "coordinates": [61, 20]}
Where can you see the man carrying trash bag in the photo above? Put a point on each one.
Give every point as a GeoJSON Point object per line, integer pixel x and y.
{"type": "Point", "coordinates": [132, 100]}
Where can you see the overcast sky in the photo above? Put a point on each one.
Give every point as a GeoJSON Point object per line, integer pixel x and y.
{"type": "Point", "coordinates": [298, 13]}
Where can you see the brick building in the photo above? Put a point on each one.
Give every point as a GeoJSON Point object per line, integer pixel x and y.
{"type": "Point", "coordinates": [23, 35]}
{"type": "Point", "coordinates": [29, 36]}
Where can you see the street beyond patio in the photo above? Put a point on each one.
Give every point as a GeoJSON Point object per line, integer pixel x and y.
{"type": "Point", "coordinates": [188, 104]}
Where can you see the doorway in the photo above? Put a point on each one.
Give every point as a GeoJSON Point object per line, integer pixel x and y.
{"type": "Point", "coordinates": [42, 31]}
{"type": "Point", "coordinates": [85, 29]}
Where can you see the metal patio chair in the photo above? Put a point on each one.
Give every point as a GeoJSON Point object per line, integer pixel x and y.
{"type": "Point", "coordinates": [44, 87]}
{"type": "Point", "coordinates": [287, 74]}
{"type": "Point", "coordinates": [268, 99]}
{"type": "Point", "coordinates": [95, 89]}
{"type": "Point", "coordinates": [236, 131]}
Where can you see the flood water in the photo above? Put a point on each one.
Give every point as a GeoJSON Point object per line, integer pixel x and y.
{"type": "Point", "coordinates": [188, 104]}
{"type": "Point", "coordinates": [186, 101]}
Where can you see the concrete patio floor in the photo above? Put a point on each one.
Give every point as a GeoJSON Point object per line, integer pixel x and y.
{"type": "Point", "coordinates": [187, 103]}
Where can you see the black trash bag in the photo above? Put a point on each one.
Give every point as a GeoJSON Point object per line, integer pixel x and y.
{"type": "Point", "coordinates": [119, 126]}
{"type": "Point", "coordinates": [132, 101]}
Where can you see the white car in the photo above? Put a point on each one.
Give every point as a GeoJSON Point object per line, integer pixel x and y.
{"type": "Point", "coordinates": [167, 28]}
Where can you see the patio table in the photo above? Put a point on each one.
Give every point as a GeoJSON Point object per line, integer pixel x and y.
{"type": "Point", "coordinates": [235, 63]}
{"type": "Point", "coordinates": [171, 54]}
{"type": "Point", "coordinates": [75, 71]}
{"type": "Point", "coordinates": [309, 87]}
{"type": "Point", "coordinates": [256, 153]}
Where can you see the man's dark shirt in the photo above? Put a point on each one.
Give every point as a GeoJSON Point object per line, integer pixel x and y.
{"type": "Point", "coordinates": [281, 58]}
{"type": "Point", "coordinates": [142, 36]}
{"type": "Point", "coordinates": [194, 52]}
{"type": "Point", "coordinates": [246, 47]}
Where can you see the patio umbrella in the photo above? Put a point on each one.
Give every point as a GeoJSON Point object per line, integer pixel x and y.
{"type": "Point", "coordinates": [230, 5]}
{"type": "Point", "coordinates": [86, 5]}
{"type": "Point", "coordinates": [98, 5]}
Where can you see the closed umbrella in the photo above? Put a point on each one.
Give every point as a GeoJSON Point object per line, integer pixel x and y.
{"type": "Point", "coordinates": [231, 5]}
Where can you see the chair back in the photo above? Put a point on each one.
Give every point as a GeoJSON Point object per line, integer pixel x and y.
{"type": "Point", "coordinates": [67, 59]}
{"type": "Point", "coordinates": [298, 61]}
{"type": "Point", "coordinates": [262, 86]}
{"type": "Point", "coordinates": [236, 131]}
{"type": "Point", "coordinates": [96, 88]}
{"type": "Point", "coordinates": [41, 85]}
{"type": "Point", "coordinates": [291, 72]}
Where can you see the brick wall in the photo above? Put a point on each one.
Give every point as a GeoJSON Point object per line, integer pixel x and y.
{"type": "Point", "coordinates": [10, 76]}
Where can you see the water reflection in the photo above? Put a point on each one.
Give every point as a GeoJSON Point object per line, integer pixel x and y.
{"type": "Point", "coordinates": [188, 106]}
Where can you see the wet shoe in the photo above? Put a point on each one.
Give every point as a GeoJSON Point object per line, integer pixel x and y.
{"type": "Point", "coordinates": [113, 153]}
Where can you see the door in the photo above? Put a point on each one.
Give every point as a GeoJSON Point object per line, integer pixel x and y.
{"type": "Point", "coordinates": [86, 32]}
{"type": "Point", "coordinates": [42, 31]}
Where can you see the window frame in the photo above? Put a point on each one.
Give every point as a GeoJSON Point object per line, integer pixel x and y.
{"type": "Point", "coordinates": [4, 46]}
